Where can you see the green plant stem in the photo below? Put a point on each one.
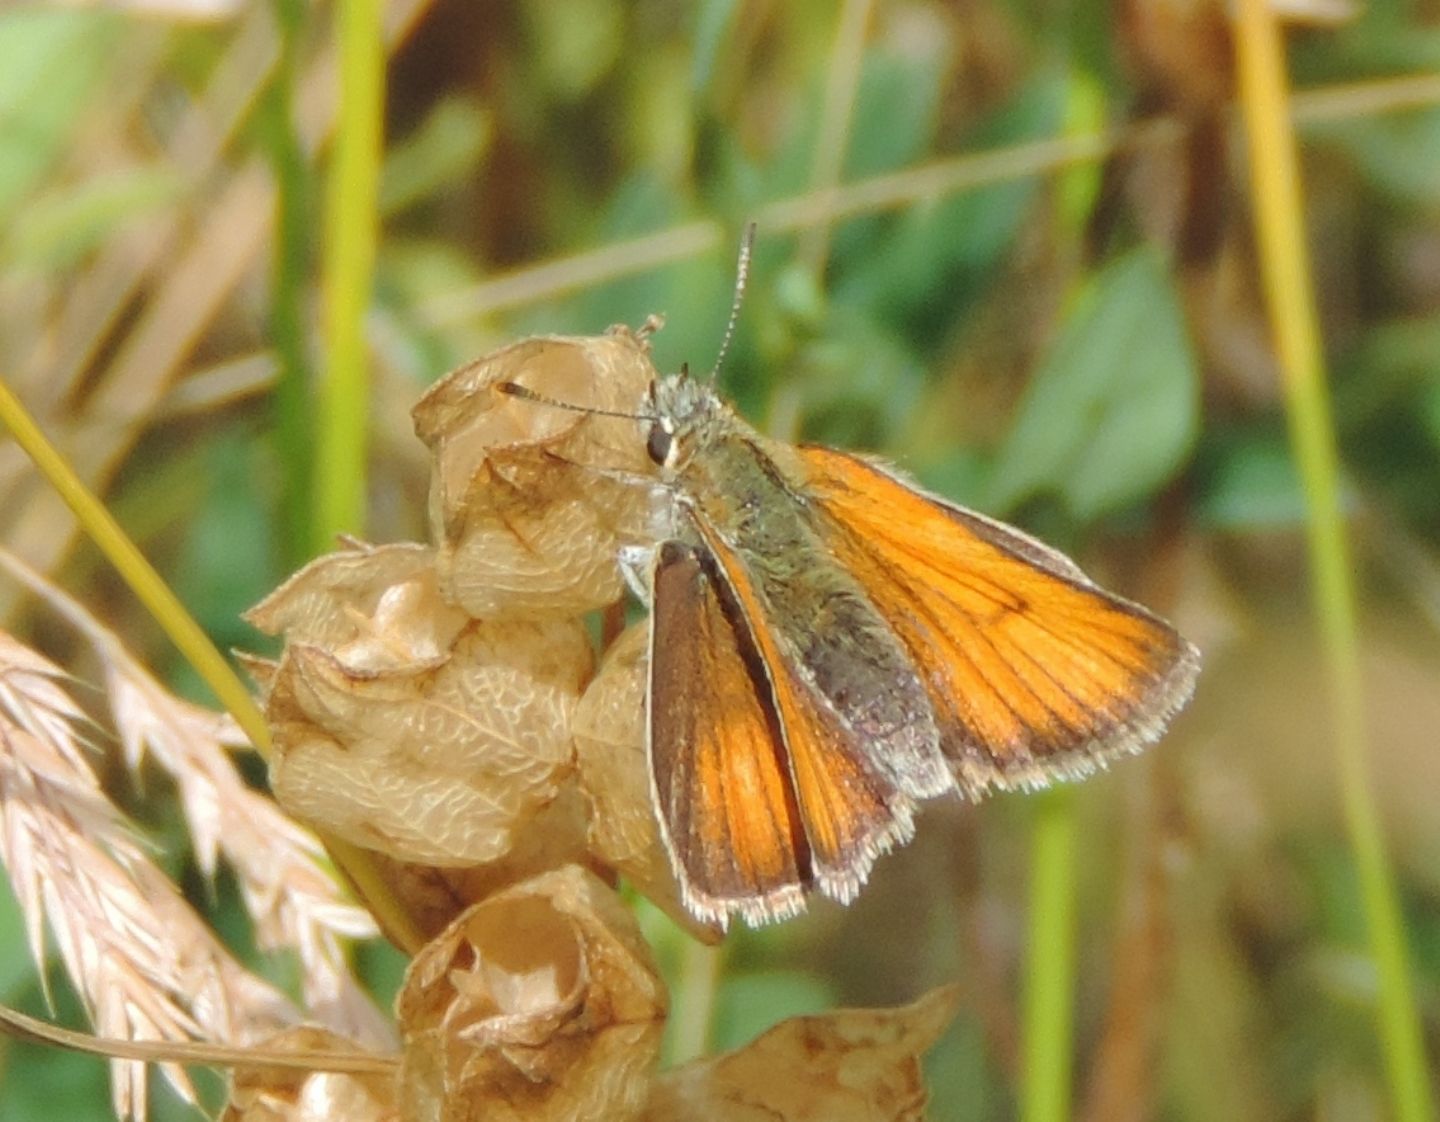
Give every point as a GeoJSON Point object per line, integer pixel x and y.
{"type": "Point", "coordinates": [1050, 962]}
{"type": "Point", "coordinates": [351, 234]}
{"type": "Point", "coordinates": [294, 417]}
{"type": "Point", "coordinates": [694, 997]}
{"type": "Point", "coordinates": [1285, 266]}
{"type": "Point", "coordinates": [148, 585]}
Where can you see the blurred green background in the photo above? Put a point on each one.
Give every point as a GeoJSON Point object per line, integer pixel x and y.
{"type": "Point", "coordinates": [1065, 333]}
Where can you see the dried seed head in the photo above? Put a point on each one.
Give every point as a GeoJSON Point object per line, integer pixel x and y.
{"type": "Point", "coordinates": [540, 1003]}
{"type": "Point", "coordinates": [373, 607]}
{"type": "Point", "coordinates": [404, 727]}
{"type": "Point", "coordinates": [272, 1094]}
{"type": "Point", "coordinates": [440, 765]}
{"type": "Point", "coordinates": [528, 502]}
{"type": "Point", "coordinates": [609, 728]}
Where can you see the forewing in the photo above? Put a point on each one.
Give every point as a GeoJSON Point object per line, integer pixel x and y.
{"type": "Point", "coordinates": [722, 789]}
{"type": "Point", "coordinates": [851, 808]}
{"type": "Point", "coordinates": [1032, 670]}
{"type": "Point", "coordinates": [814, 619]}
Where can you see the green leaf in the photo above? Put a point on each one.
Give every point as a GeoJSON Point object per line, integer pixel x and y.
{"type": "Point", "coordinates": [1077, 187]}
{"type": "Point", "coordinates": [575, 43]}
{"type": "Point", "coordinates": [49, 63]}
{"type": "Point", "coordinates": [1253, 484]}
{"type": "Point", "coordinates": [1112, 412]}
{"type": "Point", "coordinates": [446, 147]}
{"type": "Point", "coordinates": [1397, 155]}
{"type": "Point", "coordinates": [921, 270]}
{"type": "Point", "coordinates": [750, 1003]}
{"type": "Point", "coordinates": [60, 226]}
{"type": "Point", "coordinates": [897, 106]}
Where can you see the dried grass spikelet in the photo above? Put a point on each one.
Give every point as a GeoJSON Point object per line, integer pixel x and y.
{"type": "Point", "coordinates": [540, 1004]}
{"type": "Point", "coordinates": [401, 726]}
{"type": "Point", "coordinates": [615, 778]}
{"type": "Point", "coordinates": [273, 1094]}
{"type": "Point", "coordinates": [294, 901]}
{"type": "Point", "coordinates": [528, 502]}
{"type": "Point", "coordinates": [145, 966]}
{"type": "Point", "coordinates": [850, 1065]}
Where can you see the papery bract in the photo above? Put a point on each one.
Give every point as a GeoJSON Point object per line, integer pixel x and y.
{"type": "Point", "coordinates": [850, 1065]}
{"type": "Point", "coordinates": [614, 775]}
{"type": "Point", "coordinates": [530, 502]}
{"type": "Point", "coordinates": [539, 1004]}
{"type": "Point", "coordinates": [275, 1094]}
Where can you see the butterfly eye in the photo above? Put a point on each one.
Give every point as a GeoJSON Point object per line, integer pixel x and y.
{"type": "Point", "coordinates": [657, 445]}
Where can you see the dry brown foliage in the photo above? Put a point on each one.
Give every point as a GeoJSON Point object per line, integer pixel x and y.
{"type": "Point", "coordinates": [849, 1064]}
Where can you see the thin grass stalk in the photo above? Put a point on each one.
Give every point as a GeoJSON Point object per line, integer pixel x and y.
{"type": "Point", "coordinates": [148, 585]}
{"type": "Point", "coordinates": [341, 421]}
{"type": "Point", "coordinates": [151, 590]}
{"type": "Point", "coordinates": [351, 234]}
{"type": "Point", "coordinates": [935, 180]}
{"type": "Point", "coordinates": [294, 418]}
{"type": "Point", "coordinates": [837, 110]}
{"type": "Point", "coordinates": [1049, 1001]}
{"type": "Point", "coordinates": [1285, 268]}
{"type": "Point", "coordinates": [1047, 1032]}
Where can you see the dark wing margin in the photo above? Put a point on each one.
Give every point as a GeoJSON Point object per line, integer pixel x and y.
{"type": "Point", "coordinates": [719, 778]}
{"type": "Point", "coordinates": [852, 807]}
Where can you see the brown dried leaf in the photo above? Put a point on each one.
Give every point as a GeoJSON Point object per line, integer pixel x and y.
{"type": "Point", "coordinates": [615, 778]}
{"type": "Point", "coordinates": [542, 1003]}
{"type": "Point", "coordinates": [272, 1094]}
{"type": "Point", "coordinates": [530, 502]}
{"type": "Point", "coordinates": [852, 1065]}
{"type": "Point", "coordinates": [439, 764]}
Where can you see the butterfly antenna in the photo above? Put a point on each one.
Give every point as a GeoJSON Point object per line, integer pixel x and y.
{"type": "Point", "coordinates": [525, 393]}
{"type": "Point", "coordinates": [742, 273]}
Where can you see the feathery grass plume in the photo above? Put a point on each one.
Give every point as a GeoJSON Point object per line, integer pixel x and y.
{"type": "Point", "coordinates": [294, 902]}
{"type": "Point", "coordinates": [144, 964]}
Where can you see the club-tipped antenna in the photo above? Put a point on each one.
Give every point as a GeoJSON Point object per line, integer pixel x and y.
{"type": "Point", "coordinates": [742, 274]}
{"type": "Point", "coordinates": [525, 393]}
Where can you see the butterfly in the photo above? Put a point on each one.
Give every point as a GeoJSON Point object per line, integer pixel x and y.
{"type": "Point", "coordinates": [829, 645]}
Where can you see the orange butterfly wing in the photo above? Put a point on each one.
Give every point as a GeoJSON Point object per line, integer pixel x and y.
{"type": "Point", "coordinates": [720, 781]}
{"type": "Point", "coordinates": [1033, 671]}
{"type": "Point", "coordinates": [851, 812]}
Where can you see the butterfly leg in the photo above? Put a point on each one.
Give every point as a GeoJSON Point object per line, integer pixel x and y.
{"type": "Point", "coordinates": [636, 564]}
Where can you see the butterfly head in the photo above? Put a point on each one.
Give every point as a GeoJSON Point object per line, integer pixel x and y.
{"type": "Point", "coordinates": [686, 413]}
{"type": "Point", "coordinates": [683, 412]}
